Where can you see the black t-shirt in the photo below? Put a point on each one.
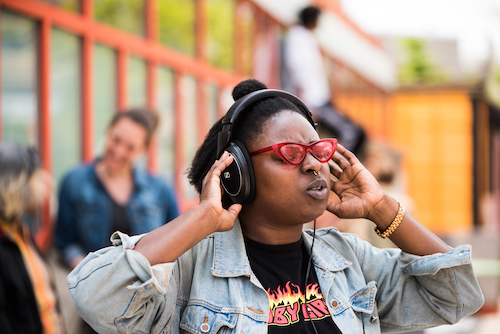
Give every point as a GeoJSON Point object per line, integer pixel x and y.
{"type": "Point", "coordinates": [119, 221]}
{"type": "Point", "coordinates": [119, 217]}
{"type": "Point", "coordinates": [281, 269]}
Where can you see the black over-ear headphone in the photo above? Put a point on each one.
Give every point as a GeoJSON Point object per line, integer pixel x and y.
{"type": "Point", "coordinates": [238, 179]}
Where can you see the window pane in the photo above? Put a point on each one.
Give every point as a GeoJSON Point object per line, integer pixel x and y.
{"type": "Point", "coordinates": [137, 82]}
{"type": "Point", "coordinates": [220, 32]}
{"type": "Point", "coordinates": [245, 19]}
{"type": "Point", "coordinates": [65, 101]}
{"type": "Point", "coordinates": [137, 93]}
{"type": "Point", "coordinates": [190, 133]}
{"type": "Point", "coordinates": [166, 130]}
{"type": "Point", "coordinates": [177, 24]}
{"type": "Point", "coordinates": [213, 105]}
{"type": "Point", "coordinates": [104, 93]}
{"type": "Point", "coordinates": [127, 15]}
{"type": "Point", "coordinates": [72, 5]}
{"type": "Point", "coordinates": [19, 82]}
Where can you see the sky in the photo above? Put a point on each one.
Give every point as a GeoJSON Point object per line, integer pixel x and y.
{"type": "Point", "coordinates": [475, 24]}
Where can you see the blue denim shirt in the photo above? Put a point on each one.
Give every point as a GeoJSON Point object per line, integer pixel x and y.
{"type": "Point", "coordinates": [85, 213]}
{"type": "Point", "coordinates": [366, 289]}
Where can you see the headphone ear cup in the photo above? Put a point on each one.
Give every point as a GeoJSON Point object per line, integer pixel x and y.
{"type": "Point", "coordinates": [238, 179]}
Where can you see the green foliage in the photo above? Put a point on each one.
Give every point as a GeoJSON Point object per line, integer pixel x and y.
{"type": "Point", "coordinates": [127, 15]}
{"type": "Point", "coordinates": [72, 5]}
{"type": "Point", "coordinates": [177, 24]}
{"type": "Point", "coordinates": [220, 27]}
{"type": "Point", "coordinates": [418, 67]}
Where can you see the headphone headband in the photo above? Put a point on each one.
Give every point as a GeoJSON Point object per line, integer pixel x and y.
{"type": "Point", "coordinates": [243, 102]}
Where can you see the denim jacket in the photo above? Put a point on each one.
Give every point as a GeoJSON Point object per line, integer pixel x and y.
{"type": "Point", "coordinates": [84, 215]}
{"type": "Point", "coordinates": [366, 289]}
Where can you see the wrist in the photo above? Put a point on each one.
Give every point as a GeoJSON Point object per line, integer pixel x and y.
{"type": "Point", "coordinates": [394, 225]}
{"type": "Point", "coordinates": [208, 218]}
{"type": "Point", "coordinates": [383, 212]}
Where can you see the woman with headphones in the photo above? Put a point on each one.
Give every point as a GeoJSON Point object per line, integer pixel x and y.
{"type": "Point", "coordinates": [240, 262]}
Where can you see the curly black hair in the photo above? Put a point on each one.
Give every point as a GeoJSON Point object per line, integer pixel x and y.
{"type": "Point", "coordinates": [247, 127]}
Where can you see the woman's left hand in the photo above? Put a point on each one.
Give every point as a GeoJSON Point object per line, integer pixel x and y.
{"type": "Point", "coordinates": [358, 190]}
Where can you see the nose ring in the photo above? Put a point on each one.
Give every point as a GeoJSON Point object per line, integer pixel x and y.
{"type": "Point", "coordinates": [315, 173]}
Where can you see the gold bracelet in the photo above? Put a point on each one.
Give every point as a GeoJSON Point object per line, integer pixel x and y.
{"type": "Point", "coordinates": [394, 225]}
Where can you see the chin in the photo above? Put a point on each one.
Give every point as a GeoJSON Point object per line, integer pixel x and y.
{"type": "Point", "coordinates": [311, 215]}
{"type": "Point", "coordinates": [114, 166]}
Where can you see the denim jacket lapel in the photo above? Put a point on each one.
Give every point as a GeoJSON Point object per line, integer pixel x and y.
{"type": "Point", "coordinates": [324, 257]}
{"type": "Point", "coordinates": [230, 257]}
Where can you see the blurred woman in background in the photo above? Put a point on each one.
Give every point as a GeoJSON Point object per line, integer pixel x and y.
{"type": "Point", "coordinates": [110, 194]}
{"type": "Point", "coordinates": [27, 297]}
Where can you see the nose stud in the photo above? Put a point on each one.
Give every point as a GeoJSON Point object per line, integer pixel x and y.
{"type": "Point", "coordinates": [315, 173]}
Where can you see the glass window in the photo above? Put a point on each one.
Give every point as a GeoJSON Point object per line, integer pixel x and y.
{"type": "Point", "coordinates": [137, 94]}
{"type": "Point", "coordinates": [190, 130]}
{"type": "Point", "coordinates": [104, 93]}
{"type": "Point", "coordinates": [19, 81]}
{"type": "Point", "coordinates": [177, 24]}
{"type": "Point", "coordinates": [245, 19]}
{"type": "Point", "coordinates": [213, 105]}
{"type": "Point", "coordinates": [127, 15]}
{"type": "Point", "coordinates": [166, 130]}
{"type": "Point", "coordinates": [65, 102]}
{"type": "Point", "coordinates": [220, 32]}
{"type": "Point", "coordinates": [137, 82]}
{"type": "Point", "coordinates": [72, 5]}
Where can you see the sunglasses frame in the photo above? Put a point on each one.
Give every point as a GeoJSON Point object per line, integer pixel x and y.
{"type": "Point", "coordinates": [307, 148]}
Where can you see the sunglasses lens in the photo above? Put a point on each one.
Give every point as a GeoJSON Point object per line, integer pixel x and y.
{"type": "Point", "coordinates": [292, 153]}
{"type": "Point", "coordinates": [295, 153]}
{"type": "Point", "coordinates": [323, 150]}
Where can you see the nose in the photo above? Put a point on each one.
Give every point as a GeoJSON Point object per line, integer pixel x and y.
{"type": "Point", "coordinates": [310, 163]}
{"type": "Point", "coordinates": [118, 149]}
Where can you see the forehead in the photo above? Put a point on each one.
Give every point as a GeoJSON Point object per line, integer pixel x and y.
{"type": "Point", "coordinates": [127, 129]}
{"type": "Point", "coordinates": [286, 126]}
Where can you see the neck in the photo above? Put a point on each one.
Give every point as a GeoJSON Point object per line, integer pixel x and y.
{"type": "Point", "coordinates": [269, 232]}
{"type": "Point", "coordinates": [104, 171]}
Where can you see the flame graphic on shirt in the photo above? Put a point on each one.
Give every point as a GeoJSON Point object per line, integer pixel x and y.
{"type": "Point", "coordinates": [291, 294]}
{"type": "Point", "coordinates": [288, 295]}
{"type": "Point", "coordinates": [287, 304]}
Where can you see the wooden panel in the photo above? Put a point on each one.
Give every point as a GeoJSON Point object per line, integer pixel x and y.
{"type": "Point", "coordinates": [434, 128]}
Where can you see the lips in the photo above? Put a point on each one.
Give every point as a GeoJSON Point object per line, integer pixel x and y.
{"type": "Point", "coordinates": [318, 189]}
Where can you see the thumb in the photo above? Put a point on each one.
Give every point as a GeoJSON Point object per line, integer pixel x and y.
{"type": "Point", "coordinates": [234, 210]}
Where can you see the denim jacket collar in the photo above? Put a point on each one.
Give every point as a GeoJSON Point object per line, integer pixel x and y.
{"type": "Point", "coordinates": [324, 256]}
{"type": "Point", "coordinates": [230, 257]}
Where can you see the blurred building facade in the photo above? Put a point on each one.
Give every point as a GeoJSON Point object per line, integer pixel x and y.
{"type": "Point", "coordinates": [68, 65]}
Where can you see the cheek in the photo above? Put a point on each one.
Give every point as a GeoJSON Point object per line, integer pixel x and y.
{"type": "Point", "coordinates": [275, 184]}
{"type": "Point", "coordinates": [133, 154]}
{"type": "Point", "coordinates": [325, 169]}
{"type": "Point", "coordinates": [114, 146]}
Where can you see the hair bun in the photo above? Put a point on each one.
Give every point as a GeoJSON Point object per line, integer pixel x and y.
{"type": "Point", "coordinates": [247, 87]}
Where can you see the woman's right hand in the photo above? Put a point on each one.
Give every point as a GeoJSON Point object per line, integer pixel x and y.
{"type": "Point", "coordinates": [168, 242]}
{"type": "Point", "coordinates": [211, 196]}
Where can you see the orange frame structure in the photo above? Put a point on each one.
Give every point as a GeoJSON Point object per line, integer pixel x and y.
{"type": "Point", "coordinates": [90, 31]}
{"type": "Point", "coordinates": [82, 23]}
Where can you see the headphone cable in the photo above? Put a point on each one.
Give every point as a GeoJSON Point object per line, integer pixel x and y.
{"type": "Point", "coordinates": [307, 278]}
